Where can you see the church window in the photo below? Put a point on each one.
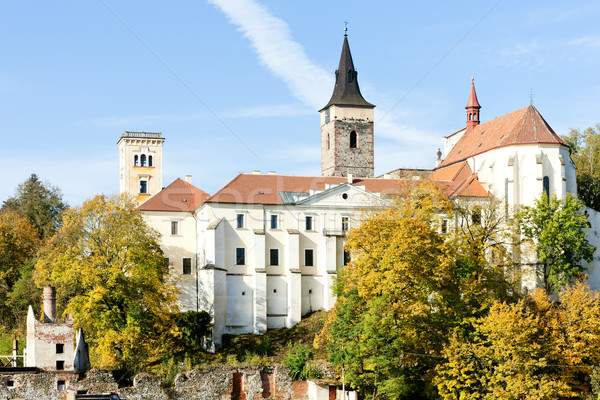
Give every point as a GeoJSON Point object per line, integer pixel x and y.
{"type": "Point", "coordinates": [240, 221]}
{"type": "Point", "coordinates": [347, 257]}
{"type": "Point", "coordinates": [328, 142]}
{"type": "Point", "coordinates": [273, 256]}
{"type": "Point", "coordinates": [240, 256]}
{"type": "Point", "coordinates": [143, 186]}
{"type": "Point", "coordinates": [187, 266]}
{"type": "Point", "coordinates": [135, 160]}
{"type": "Point", "coordinates": [353, 139]}
{"type": "Point", "coordinates": [274, 221]}
{"type": "Point", "coordinates": [309, 257]}
{"type": "Point", "coordinates": [547, 188]}
{"type": "Point", "coordinates": [149, 161]}
{"type": "Point", "coordinates": [143, 160]}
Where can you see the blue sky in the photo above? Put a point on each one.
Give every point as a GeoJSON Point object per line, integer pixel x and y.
{"type": "Point", "coordinates": [235, 86]}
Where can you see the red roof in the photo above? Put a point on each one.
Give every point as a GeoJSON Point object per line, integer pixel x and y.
{"type": "Point", "coordinates": [178, 196]}
{"type": "Point", "coordinates": [460, 180]}
{"type": "Point", "coordinates": [472, 103]}
{"type": "Point", "coordinates": [521, 127]}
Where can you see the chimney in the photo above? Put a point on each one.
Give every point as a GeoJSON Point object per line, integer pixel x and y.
{"type": "Point", "coordinates": [350, 178]}
{"type": "Point", "coordinates": [272, 173]}
{"type": "Point", "coordinates": [49, 304]}
{"type": "Point", "coordinates": [188, 179]}
{"type": "Point", "coordinates": [256, 172]}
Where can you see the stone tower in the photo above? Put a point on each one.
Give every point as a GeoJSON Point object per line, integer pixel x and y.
{"type": "Point", "coordinates": [140, 164]}
{"type": "Point", "coordinates": [347, 125]}
{"type": "Point", "coordinates": [472, 108]}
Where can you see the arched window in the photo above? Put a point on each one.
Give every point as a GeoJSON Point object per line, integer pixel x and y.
{"type": "Point", "coordinates": [143, 160]}
{"type": "Point", "coordinates": [547, 188]}
{"type": "Point", "coordinates": [353, 139]}
{"type": "Point", "coordinates": [135, 160]}
{"type": "Point", "coordinates": [149, 161]}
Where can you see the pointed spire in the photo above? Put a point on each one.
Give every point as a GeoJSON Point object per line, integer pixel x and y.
{"type": "Point", "coordinates": [472, 108]}
{"type": "Point", "coordinates": [346, 91]}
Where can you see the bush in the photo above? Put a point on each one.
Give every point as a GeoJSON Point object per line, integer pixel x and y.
{"type": "Point", "coordinates": [296, 360]}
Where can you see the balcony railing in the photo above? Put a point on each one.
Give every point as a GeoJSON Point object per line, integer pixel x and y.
{"type": "Point", "coordinates": [334, 232]}
{"type": "Point", "coordinates": [145, 135]}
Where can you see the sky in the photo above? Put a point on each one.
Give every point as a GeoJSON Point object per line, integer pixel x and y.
{"type": "Point", "coordinates": [236, 85]}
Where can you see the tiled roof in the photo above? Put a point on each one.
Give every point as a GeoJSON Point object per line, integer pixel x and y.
{"type": "Point", "coordinates": [524, 126]}
{"type": "Point", "coordinates": [459, 180]}
{"type": "Point", "coordinates": [178, 196]}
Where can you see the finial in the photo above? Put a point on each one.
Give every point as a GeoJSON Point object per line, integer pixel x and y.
{"type": "Point", "coordinates": [346, 27]}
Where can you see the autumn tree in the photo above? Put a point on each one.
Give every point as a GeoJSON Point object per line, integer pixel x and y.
{"type": "Point", "coordinates": [557, 228]}
{"type": "Point", "coordinates": [19, 242]}
{"type": "Point", "coordinates": [40, 203]}
{"type": "Point", "coordinates": [585, 152]}
{"type": "Point", "coordinates": [407, 287]}
{"type": "Point", "coordinates": [109, 271]}
{"type": "Point", "coordinates": [533, 349]}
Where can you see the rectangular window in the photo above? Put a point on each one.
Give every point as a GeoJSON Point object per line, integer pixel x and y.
{"type": "Point", "coordinates": [174, 227]}
{"type": "Point", "coordinates": [444, 225]}
{"type": "Point", "coordinates": [345, 223]}
{"type": "Point", "coordinates": [187, 266]}
{"type": "Point", "coordinates": [240, 256]}
{"type": "Point", "coordinates": [274, 257]}
{"type": "Point", "coordinates": [60, 385]}
{"type": "Point", "coordinates": [60, 348]}
{"type": "Point", "coordinates": [240, 221]}
{"type": "Point", "coordinates": [309, 258]}
{"type": "Point", "coordinates": [60, 365]}
{"type": "Point", "coordinates": [274, 220]}
{"type": "Point", "coordinates": [309, 223]}
{"type": "Point", "coordinates": [347, 257]}
{"type": "Point", "coordinates": [143, 187]}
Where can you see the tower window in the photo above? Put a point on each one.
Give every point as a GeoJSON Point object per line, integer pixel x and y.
{"type": "Point", "coordinates": [240, 256]}
{"type": "Point", "coordinates": [353, 139]}
{"type": "Point", "coordinates": [187, 266]}
{"type": "Point", "coordinates": [149, 161]}
{"type": "Point", "coordinates": [143, 160]}
{"type": "Point", "coordinates": [328, 142]}
{"type": "Point", "coordinates": [135, 160]}
{"type": "Point", "coordinates": [547, 188]}
{"type": "Point", "coordinates": [60, 365]}
{"type": "Point", "coordinates": [143, 187]}
{"type": "Point", "coordinates": [273, 256]}
{"type": "Point", "coordinates": [60, 348]}
{"type": "Point", "coordinates": [327, 119]}
{"type": "Point", "coordinates": [309, 258]}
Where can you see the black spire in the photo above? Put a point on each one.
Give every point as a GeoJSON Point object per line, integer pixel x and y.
{"type": "Point", "coordinates": [346, 91]}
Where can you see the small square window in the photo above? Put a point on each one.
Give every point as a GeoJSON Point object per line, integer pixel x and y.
{"type": "Point", "coordinates": [60, 365]}
{"type": "Point", "coordinates": [10, 383]}
{"type": "Point", "coordinates": [240, 221]}
{"type": "Point", "coordinates": [309, 223]}
{"type": "Point", "coordinates": [274, 257]}
{"type": "Point", "coordinates": [60, 385]}
{"type": "Point", "coordinates": [143, 187]}
{"type": "Point", "coordinates": [174, 227]}
{"type": "Point", "coordinates": [240, 256]}
{"type": "Point", "coordinates": [60, 348]}
{"type": "Point", "coordinates": [274, 221]}
{"type": "Point", "coordinates": [309, 258]}
{"type": "Point", "coordinates": [187, 266]}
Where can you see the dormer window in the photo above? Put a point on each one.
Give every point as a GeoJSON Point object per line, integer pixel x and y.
{"type": "Point", "coordinates": [353, 139]}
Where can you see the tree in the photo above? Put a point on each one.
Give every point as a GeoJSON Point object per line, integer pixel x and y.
{"type": "Point", "coordinates": [533, 349]}
{"type": "Point", "coordinates": [585, 152]}
{"type": "Point", "coordinates": [18, 244]}
{"type": "Point", "coordinates": [109, 271]}
{"type": "Point", "coordinates": [558, 230]}
{"type": "Point", "coordinates": [38, 202]}
{"type": "Point", "coordinates": [407, 287]}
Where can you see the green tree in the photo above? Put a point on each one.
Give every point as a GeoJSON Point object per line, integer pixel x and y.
{"type": "Point", "coordinates": [38, 202]}
{"type": "Point", "coordinates": [407, 287]}
{"type": "Point", "coordinates": [585, 152]}
{"type": "Point", "coordinates": [109, 271]}
{"type": "Point", "coordinates": [558, 231]}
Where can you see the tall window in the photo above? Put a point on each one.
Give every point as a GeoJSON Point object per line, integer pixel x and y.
{"type": "Point", "coordinates": [187, 266]}
{"type": "Point", "coordinates": [135, 160]}
{"type": "Point", "coordinates": [240, 221]}
{"type": "Point", "coordinates": [273, 256]}
{"type": "Point", "coordinates": [149, 161]}
{"type": "Point", "coordinates": [547, 188]}
{"type": "Point", "coordinates": [274, 221]}
{"type": "Point", "coordinates": [444, 225]}
{"type": "Point", "coordinates": [309, 223]}
{"type": "Point", "coordinates": [347, 257]}
{"type": "Point", "coordinates": [143, 160]}
{"type": "Point", "coordinates": [174, 227]}
{"type": "Point", "coordinates": [143, 186]}
{"type": "Point", "coordinates": [353, 139]}
{"type": "Point", "coordinates": [240, 256]}
{"type": "Point", "coordinates": [309, 257]}
{"type": "Point", "coordinates": [345, 223]}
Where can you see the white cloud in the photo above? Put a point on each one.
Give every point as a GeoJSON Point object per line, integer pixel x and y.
{"type": "Point", "coordinates": [285, 58]}
{"type": "Point", "coordinates": [586, 41]}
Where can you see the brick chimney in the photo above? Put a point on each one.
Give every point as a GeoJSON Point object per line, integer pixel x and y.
{"type": "Point", "coordinates": [49, 304]}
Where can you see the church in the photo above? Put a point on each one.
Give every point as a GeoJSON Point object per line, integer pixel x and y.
{"type": "Point", "coordinates": [263, 251]}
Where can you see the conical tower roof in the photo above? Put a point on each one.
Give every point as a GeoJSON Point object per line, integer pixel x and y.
{"type": "Point", "coordinates": [346, 91]}
{"type": "Point", "coordinates": [472, 103]}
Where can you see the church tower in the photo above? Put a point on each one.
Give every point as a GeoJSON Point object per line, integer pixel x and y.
{"type": "Point", "coordinates": [472, 108]}
{"type": "Point", "coordinates": [347, 125]}
{"type": "Point", "coordinates": [140, 164]}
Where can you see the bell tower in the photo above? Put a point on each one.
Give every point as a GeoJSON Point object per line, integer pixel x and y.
{"type": "Point", "coordinates": [347, 125]}
{"type": "Point", "coordinates": [472, 108]}
{"type": "Point", "coordinates": [140, 164]}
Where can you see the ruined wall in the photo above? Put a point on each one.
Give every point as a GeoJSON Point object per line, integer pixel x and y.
{"type": "Point", "coordinates": [223, 383]}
